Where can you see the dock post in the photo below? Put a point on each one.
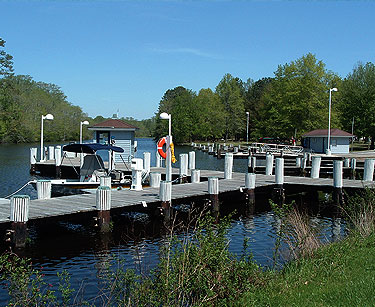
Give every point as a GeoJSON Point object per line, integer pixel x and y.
{"type": "Point", "coordinates": [155, 179]}
{"type": "Point", "coordinates": [147, 161]}
{"type": "Point", "coordinates": [103, 206]}
{"type": "Point", "coordinates": [58, 161]}
{"type": "Point", "coordinates": [315, 166]}
{"type": "Point", "coordinates": [368, 172]}
{"type": "Point", "coordinates": [303, 166]}
{"type": "Point", "coordinates": [183, 167]}
{"type": "Point", "coordinates": [105, 181]}
{"type": "Point", "coordinates": [269, 164]}
{"type": "Point", "coordinates": [33, 154]}
{"type": "Point", "coordinates": [195, 176]}
{"type": "Point", "coordinates": [235, 149]}
{"type": "Point", "coordinates": [337, 182]}
{"type": "Point", "coordinates": [213, 191]}
{"type": "Point", "coordinates": [218, 151]}
{"type": "Point", "coordinates": [43, 188]}
{"type": "Point", "coordinates": [191, 160]}
{"type": "Point", "coordinates": [250, 192]}
{"type": "Point", "coordinates": [165, 195]}
{"type": "Point", "coordinates": [51, 153]}
{"type": "Point", "coordinates": [228, 166]}
{"type": "Point", "coordinates": [346, 162]}
{"type": "Point", "coordinates": [298, 162]}
{"type": "Point", "coordinates": [279, 191]}
{"type": "Point", "coordinates": [19, 215]}
{"type": "Point", "coordinates": [157, 159]}
{"type": "Point", "coordinates": [353, 165]}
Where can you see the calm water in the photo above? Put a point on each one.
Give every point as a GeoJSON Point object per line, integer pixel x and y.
{"type": "Point", "coordinates": [85, 254]}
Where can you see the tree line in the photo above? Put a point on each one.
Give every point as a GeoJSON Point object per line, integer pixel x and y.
{"type": "Point", "coordinates": [294, 101]}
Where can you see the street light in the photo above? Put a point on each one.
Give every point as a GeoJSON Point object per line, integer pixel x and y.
{"type": "Point", "coordinates": [85, 122]}
{"type": "Point", "coordinates": [48, 117]}
{"type": "Point", "coordinates": [247, 127]}
{"type": "Point", "coordinates": [168, 162]}
{"type": "Point", "coordinates": [328, 152]}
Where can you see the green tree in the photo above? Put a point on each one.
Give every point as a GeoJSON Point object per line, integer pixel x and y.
{"type": "Point", "coordinates": [298, 98]}
{"type": "Point", "coordinates": [231, 93]}
{"type": "Point", "coordinates": [357, 94]}
{"type": "Point", "coordinates": [6, 61]}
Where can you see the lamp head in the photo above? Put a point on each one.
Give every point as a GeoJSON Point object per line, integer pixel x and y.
{"type": "Point", "coordinates": [48, 116]}
{"type": "Point", "coordinates": [164, 115]}
{"type": "Point", "coordinates": [247, 113]}
{"type": "Point", "coordinates": [85, 122]}
{"type": "Point", "coordinates": [334, 89]}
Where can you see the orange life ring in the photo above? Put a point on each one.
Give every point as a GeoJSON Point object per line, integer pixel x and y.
{"type": "Point", "coordinates": [162, 153]}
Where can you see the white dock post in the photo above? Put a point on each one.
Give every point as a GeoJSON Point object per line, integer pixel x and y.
{"type": "Point", "coordinates": [137, 167]}
{"type": "Point", "coordinates": [43, 188]}
{"type": "Point", "coordinates": [183, 167]}
{"type": "Point", "coordinates": [251, 164]}
{"type": "Point", "coordinates": [105, 181]}
{"type": "Point", "coordinates": [315, 166]}
{"type": "Point", "coordinates": [195, 176]}
{"type": "Point", "coordinates": [210, 149]}
{"type": "Point", "coordinates": [298, 162]}
{"type": "Point", "coordinates": [250, 191]}
{"type": "Point", "coordinates": [228, 166]}
{"type": "Point", "coordinates": [191, 160]}
{"type": "Point", "coordinates": [33, 155]}
{"type": "Point", "coordinates": [337, 182]}
{"type": "Point", "coordinates": [347, 162]}
{"type": "Point", "coordinates": [147, 161]}
{"type": "Point", "coordinates": [269, 164]}
{"type": "Point", "coordinates": [165, 195]}
{"type": "Point", "coordinates": [19, 215]}
{"type": "Point", "coordinates": [213, 191]}
{"type": "Point", "coordinates": [155, 178]}
{"type": "Point", "coordinates": [235, 150]}
{"type": "Point", "coordinates": [353, 165]}
{"type": "Point", "coordinates": [279, 180]}
{"type": "Point", "coordinates": [51, 153]}
{"type": "Point", "coordinates": [103, 206]}
{"type": "Point", "coordinates": [368, 172]}
{"type": "Point", "coordinates": [58, 161]}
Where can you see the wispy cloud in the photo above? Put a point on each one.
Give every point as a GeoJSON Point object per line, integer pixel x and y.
{"type": "Point", "coordinates": [191, 51]}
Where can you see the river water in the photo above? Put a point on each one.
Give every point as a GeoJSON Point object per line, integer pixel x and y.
{"type": "Point", "coordinates": [85, 254]}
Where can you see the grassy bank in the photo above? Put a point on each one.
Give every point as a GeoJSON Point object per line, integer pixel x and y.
{"type": "Point", "coordinates": [339, 274]}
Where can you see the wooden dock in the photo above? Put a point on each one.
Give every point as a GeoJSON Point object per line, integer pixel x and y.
{"type": "Point", "coordinates": [67, 205]}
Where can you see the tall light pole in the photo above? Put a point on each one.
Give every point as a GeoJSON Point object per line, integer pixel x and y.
{"type": "Point", "coordinates": [328, 152]}
{"type": "Point", "coordinates": [247, 127]}
{"type": "Point", "coordinates": [85, 122]}
{"type": "Point", "coordinates": [168, 162]}
{"type": "Point", "coordinates": [48, 117]}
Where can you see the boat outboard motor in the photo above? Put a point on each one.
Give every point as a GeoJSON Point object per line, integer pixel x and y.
{"type": "Point", "coordinates": [137, 168]}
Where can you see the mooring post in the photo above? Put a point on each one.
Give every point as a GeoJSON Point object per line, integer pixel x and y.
{"type": "Point", "coordinates": [251, 164]}
{"type": "Point", "coordinates": [165, 195]}
{"type": "Point", "coordinates": [155, 178]}
{"type": "Point", "coordinates": [147, 161]}
{"type": "Point", "coordinates": [51, 153]}
{"type": "Point", "coordinates": [235, 149]}
{"type": "Point", "coordinates": [218, 151]}
{"type": "Point", "coordinates": [353, 165]}
{"type": "Point", "coordinates": [105, 181]}
{"type": "Point", "coordinates": [191, 159]}
{"type": "Point", "coordinates": [228, 165]}
{"type": "Point", "coordinates": [103, 206]}
{"type": "Point", "coordinates": [33, 154]}
{"type": "Point", "coordinates": [346, 162]}
{"type": "Point", "coordinates": [269, 163]}
{"type": "Point", "coordinates": [213, 191]}
{"type": "Point", "coordinates": [43, 188]}
{"type": "Point", "coordinates": [279, 181]}
{"type": "Point", "coordinates": [250, 191]}
{"type": "Point", "coordinates": [183, 167]}
{"type": "Point", "coordinates": [337, 182]}
{"type": "Point", "coordinates": [368, 172]}
{"type": "Point", "coordinates": [298, 162]}
{"type": "Point", "coordinates": [58, 161]}
{"type": "Point", "coordinates": [303, 166]}
{"type": "Point", "coordinates": [211, 149]}
{"type": "Point", "coordinates": [19, 215]}
{"type": "Point", "coordinates": [315, 166]}
{"type": "Point", "coordinates": [195, 176]}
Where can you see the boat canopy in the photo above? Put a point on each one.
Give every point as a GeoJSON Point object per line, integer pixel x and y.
{"type": "Point", "coordinates": [90, 148]}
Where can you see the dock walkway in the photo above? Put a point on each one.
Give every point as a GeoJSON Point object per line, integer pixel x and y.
{"type": "Point", "coordinates": [68, 205]}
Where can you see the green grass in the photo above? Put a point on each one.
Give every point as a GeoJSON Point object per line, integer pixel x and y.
{"type": "Point", "coordinates": [339, 274]}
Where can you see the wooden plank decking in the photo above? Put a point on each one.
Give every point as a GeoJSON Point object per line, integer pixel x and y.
{"type": "Point", "coordinates": [67, 205]}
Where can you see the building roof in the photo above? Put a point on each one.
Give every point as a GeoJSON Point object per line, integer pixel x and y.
{"type": "Point", "coordinates": [324, 133]}
{"type": "Point", "coordinates": [113, 124]}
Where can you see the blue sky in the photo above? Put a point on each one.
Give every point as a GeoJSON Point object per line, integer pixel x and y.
{"type": "Point", "coordinates": [123, 55]}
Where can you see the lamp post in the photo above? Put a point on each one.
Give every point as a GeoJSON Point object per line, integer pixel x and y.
{"type": "Point", "coordinates": [48, 117]}
{"type": "Point", "coordinates": [328, 152]}
{"type": "Point", "coordinates": [168, 162]}
{"type": "Point", "coordinates": [85, 122]}
{"type": "Point", "coordinates": [247, 127]}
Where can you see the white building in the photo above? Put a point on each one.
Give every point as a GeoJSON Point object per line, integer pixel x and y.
{"type": "Point", "coordinates": [317, 141]}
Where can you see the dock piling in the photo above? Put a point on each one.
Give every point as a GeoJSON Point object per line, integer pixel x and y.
{"type": "Point", "coordinates": [269, 164]}
{"type": "Point", "coordinates": [51, 153]}
{"type": "Point", "coordinates": [105, 181]}
{"type": "Point", "coordinates": [191, 160]}
{"type": "Point", "coordinates": [103, 206]}
{"type": "Point", "coordinates": [19, 215]}
{"type": "Point", "coordinates": [368, 172]}
{"type": "Point", "coordinates": [228, 165]}
{"type": "Point", "coordinates": [147, 161]}
{"type": "Point", "coordinates": [353, 165]}
{"type": "Point", "coordinates": [315, 166]}
{"type": "Point", "coordinates": [195, 176]}
{"type": "Point", "coordinates": [183, 167]}
{"type": "Point", "coordinates": [337, 182]}
{"type": "Point", "coordinates": [155, 178]}
{"type": "Point", "coordinates": [250, 191]}
{"type": "Point", "coordinates": [213, 191]}
{"type": "Point", "coordinates": [279, 191]}
{"type": "Point", "coordinates": [43, 188]}
{"type": "Point", "coordinates": [165, 195]}
{"type": "Point", "coordinates": [33, 155]}
{"type": "Point", "coordinates": [58, 161]}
